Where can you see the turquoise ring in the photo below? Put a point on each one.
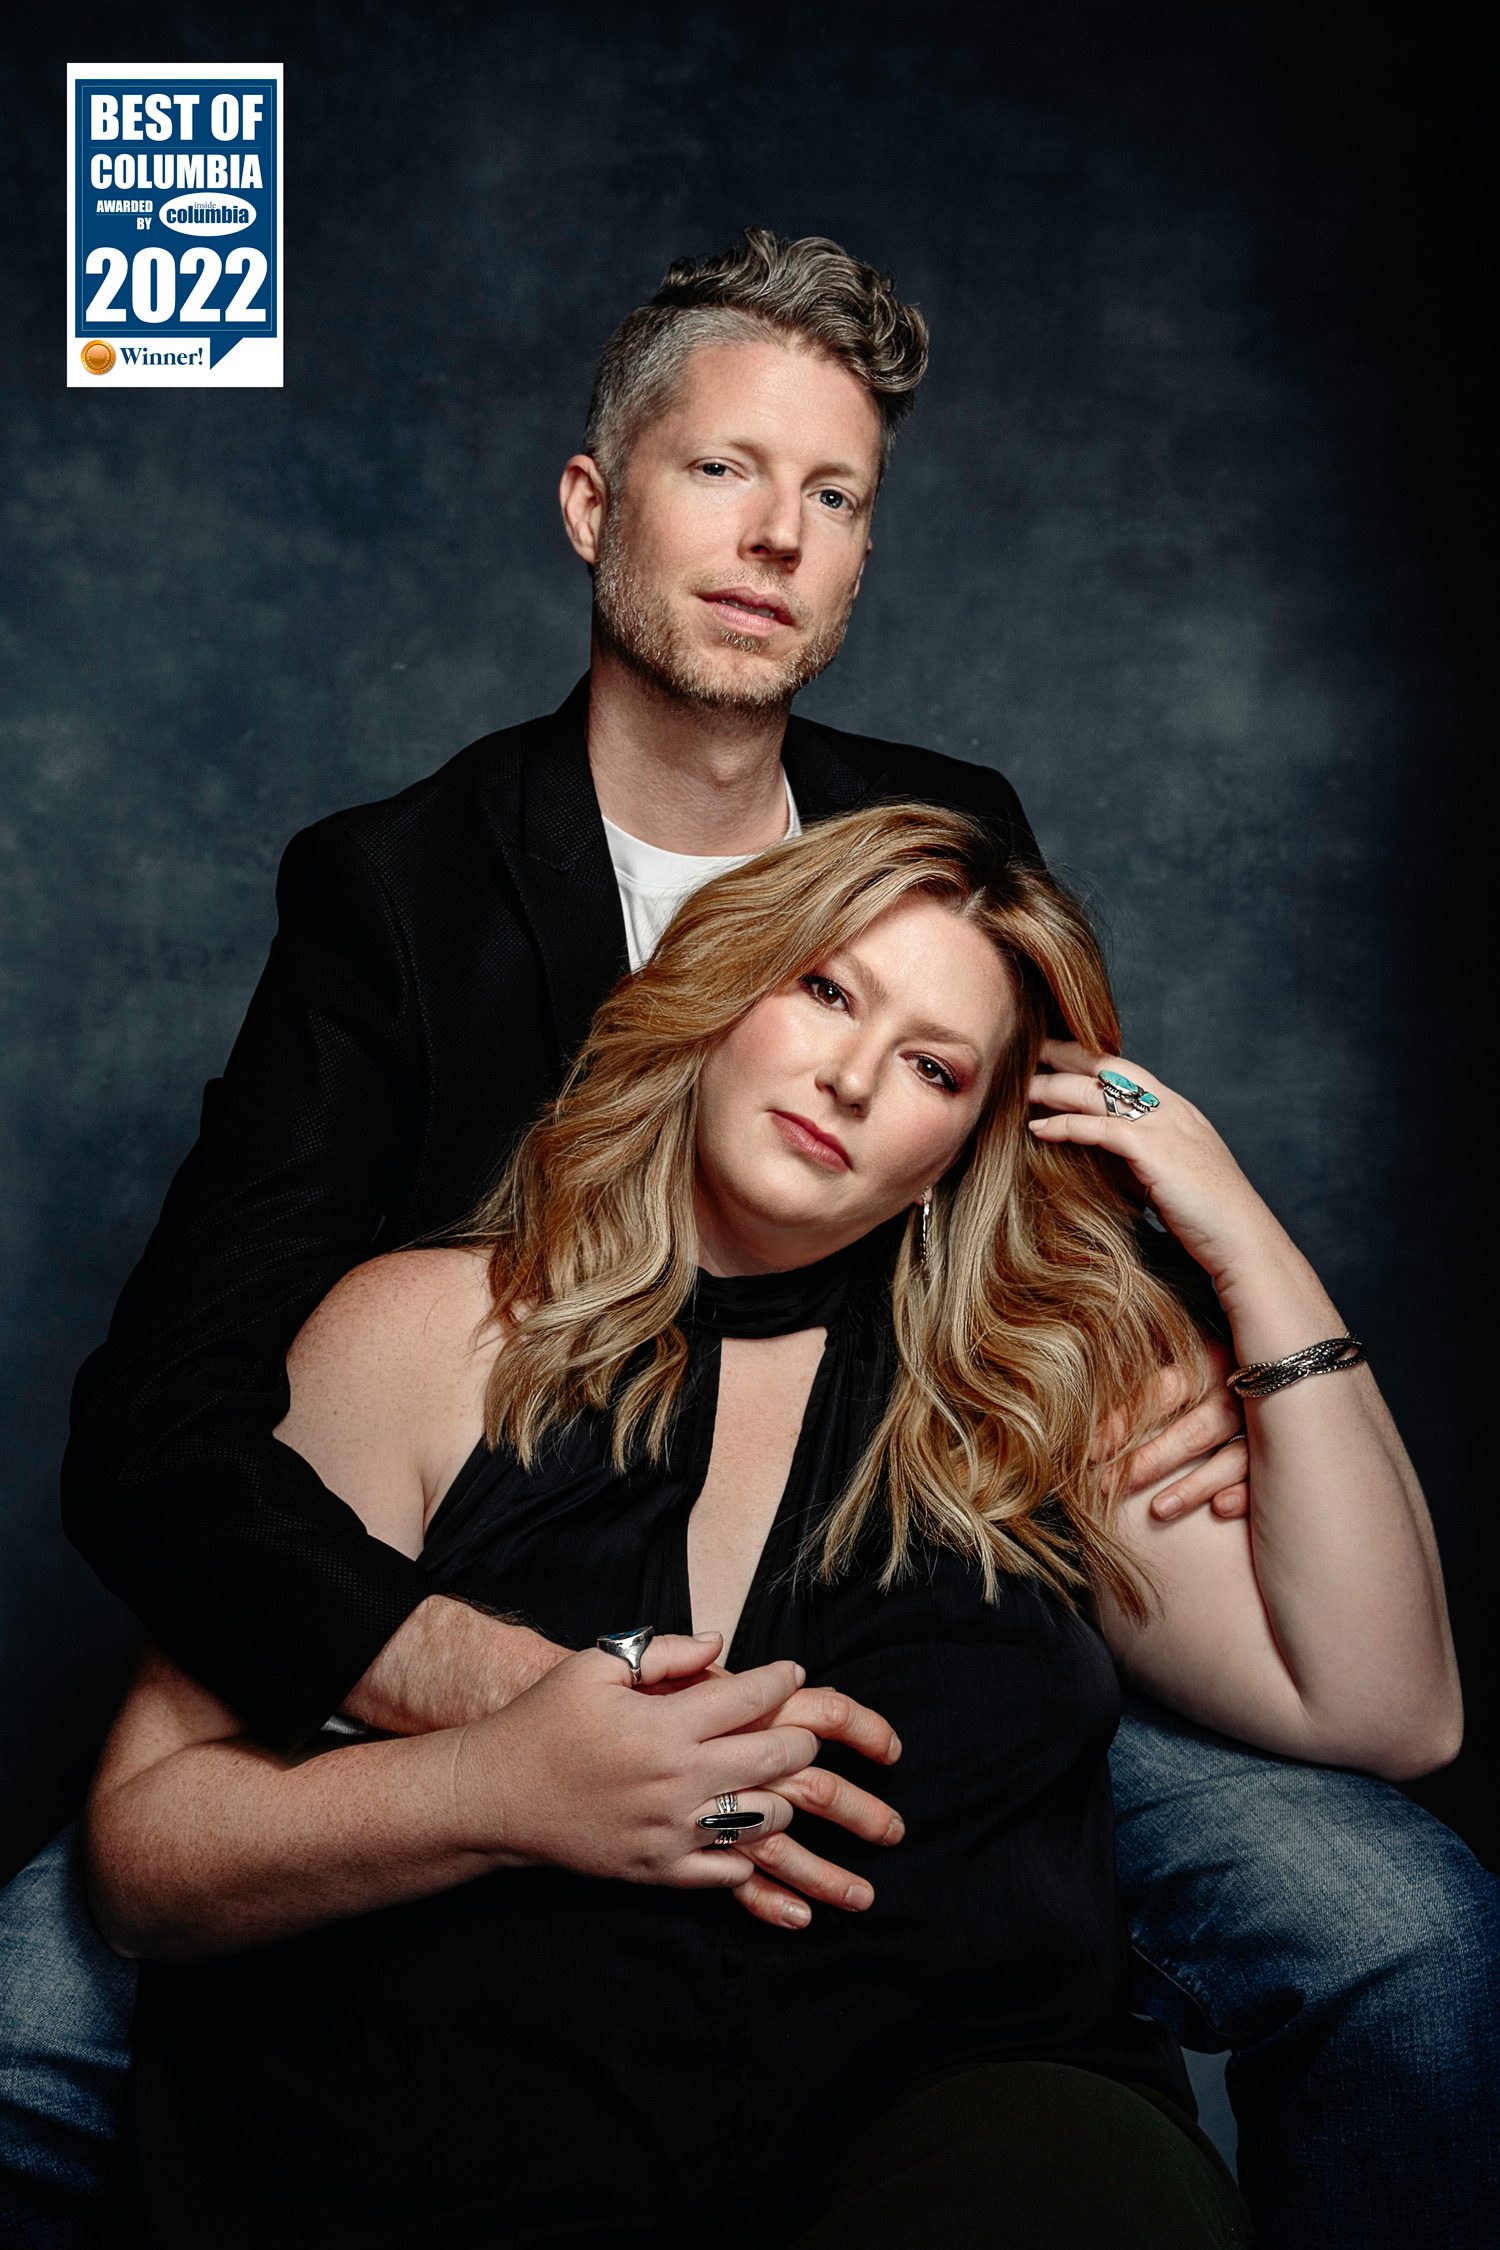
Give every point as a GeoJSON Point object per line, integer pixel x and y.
{"type": "Point", "coordinates": [1124, 1098]}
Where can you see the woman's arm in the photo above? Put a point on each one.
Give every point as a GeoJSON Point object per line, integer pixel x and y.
{"type": "Point", "coordinates": [1315, 1626]}
{"type": "Point", "coordinates": [199, 1836]}
{"type": "Point", "coordinates": [386, 1400]}
{"type": "Point", "coordinates": [201, 1841]}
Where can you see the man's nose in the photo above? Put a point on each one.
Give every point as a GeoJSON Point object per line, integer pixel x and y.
{"type": "Point", "coordinates": [774, 529]}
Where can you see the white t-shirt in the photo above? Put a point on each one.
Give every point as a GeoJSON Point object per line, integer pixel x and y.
{"type": "Point", "coordinates": [654, 883]}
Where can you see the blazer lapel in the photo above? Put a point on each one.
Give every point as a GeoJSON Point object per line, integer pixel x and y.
{"type": "Point", "coordinates": [822, 782]}
{"type": "Point", "coordinates": [558, 861]}
{"type": "Point", "coordinates": [551, 838]}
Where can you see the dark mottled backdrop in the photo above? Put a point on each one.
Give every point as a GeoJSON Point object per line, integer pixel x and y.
{"type": "Point", "coordinates": [1175, 537]}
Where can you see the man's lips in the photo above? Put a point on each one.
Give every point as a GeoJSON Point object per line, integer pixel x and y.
{"type": "Point", "coordinates": [747, 611]}
{"type": "Point", "coordinates": [809, 1140]}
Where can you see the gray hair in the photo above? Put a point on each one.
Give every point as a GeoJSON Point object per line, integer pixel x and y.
{"type": "Point", "coordinates": [808, 291]}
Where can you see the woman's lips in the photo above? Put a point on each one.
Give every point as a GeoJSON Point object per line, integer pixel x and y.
{"type": "Point", "coordinates": [808, 1141]}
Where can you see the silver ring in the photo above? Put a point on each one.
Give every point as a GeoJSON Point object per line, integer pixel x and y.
{"type": "Point", "coordinates": [1124, 1098]}
{"type": "Point", "coordinates": [728, 1823]}
{"type": "Point", "coordinates": [629, 1647]}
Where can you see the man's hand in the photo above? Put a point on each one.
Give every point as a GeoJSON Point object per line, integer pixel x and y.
{"type": "Point", "coordinates": [833, 1717]}
{"type": "Point", "coordinates": [1198, 1454]}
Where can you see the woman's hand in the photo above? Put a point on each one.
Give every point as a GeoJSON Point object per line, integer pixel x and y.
{"type": "Point", "coordinates": [1325, 1635]}
{"type": "Point", "coordinates": [1192, 1180]}
{"type": "Point", "coordinates": [584, 1771]}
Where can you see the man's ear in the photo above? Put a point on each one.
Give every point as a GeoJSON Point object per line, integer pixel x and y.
{"type": "Point", "coordinates": [583, 497]}
{"type": "Point", "coordinates": [869, 549]}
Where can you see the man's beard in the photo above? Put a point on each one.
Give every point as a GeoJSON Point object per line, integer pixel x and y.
{"type": "Point", "coordinates": [635, 619]}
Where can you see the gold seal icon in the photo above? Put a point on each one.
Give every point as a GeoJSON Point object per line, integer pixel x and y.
{"type": "Point", "coordinates": [98, 357]}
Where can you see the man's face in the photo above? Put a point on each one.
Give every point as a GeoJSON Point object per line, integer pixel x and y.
{"type": "Point", "coordinates": [754, 488]}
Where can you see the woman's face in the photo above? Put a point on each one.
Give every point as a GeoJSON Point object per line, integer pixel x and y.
{"type": "Point", "coordinates": [846, 1094]}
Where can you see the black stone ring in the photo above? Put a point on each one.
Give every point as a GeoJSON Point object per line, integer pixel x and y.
{"type": "Point", "coordinates": [728, 1823]}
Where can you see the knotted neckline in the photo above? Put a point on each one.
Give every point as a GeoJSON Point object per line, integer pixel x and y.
{"type": "Point", "coordinates": [779, 1304]}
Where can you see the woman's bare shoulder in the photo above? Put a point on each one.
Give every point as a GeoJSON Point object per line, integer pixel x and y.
{"type": "Point", "coordinates": [422, 1307]}
{"type": "Point", "coordinates": [388, 1379]}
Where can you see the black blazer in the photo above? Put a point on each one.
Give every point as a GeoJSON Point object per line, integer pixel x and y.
{"type": "Point", "coordinates": [437, 960]}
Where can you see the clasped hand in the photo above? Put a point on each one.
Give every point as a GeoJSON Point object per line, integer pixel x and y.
{"type": "Point", "coordinates": [586, 1772]}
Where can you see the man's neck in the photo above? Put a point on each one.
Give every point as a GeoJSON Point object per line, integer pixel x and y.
{"type": "Point", "coordinates": [678, 776]}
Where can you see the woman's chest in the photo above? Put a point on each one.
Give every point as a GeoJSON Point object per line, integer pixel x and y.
{"type": "Point", "coordinates": [723, 1533]}
{"type": "Point", "coordinates": [762, 1403]}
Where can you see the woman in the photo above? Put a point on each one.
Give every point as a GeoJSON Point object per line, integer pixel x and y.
{"type": "Point", "coordinates": [788, 1324]}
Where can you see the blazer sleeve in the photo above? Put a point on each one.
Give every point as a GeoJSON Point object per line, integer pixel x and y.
{"type": "Point", "coordinates": [980, 791]}
{"type": "Point", "coordinates": [998, 806]}
{"type": "Point", "coordinates": [249, 1571]}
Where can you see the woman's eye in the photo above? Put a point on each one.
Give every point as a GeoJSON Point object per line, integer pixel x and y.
{"type": "Point", "coordinates": [824, 990]}
{"type": "Point", "coordinates": [936, 1073]}
{"type": "Point", "coordinates": [714, 468]}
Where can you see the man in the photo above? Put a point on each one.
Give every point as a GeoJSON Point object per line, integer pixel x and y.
{"type": "Point", "coordinates": [437, 961]}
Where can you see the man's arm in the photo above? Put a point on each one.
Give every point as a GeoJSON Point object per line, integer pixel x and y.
{"type": "Point", "coordinates": [252, 1575]}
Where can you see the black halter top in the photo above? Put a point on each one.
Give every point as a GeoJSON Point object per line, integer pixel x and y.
{"type": "Point", "coordinates": [538, 2055]}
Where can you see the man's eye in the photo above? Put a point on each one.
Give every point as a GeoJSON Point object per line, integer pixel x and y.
{"type": "Point", "coordinates": [842, 499]}
{"type": "Point", "coordinates": [824, 990]}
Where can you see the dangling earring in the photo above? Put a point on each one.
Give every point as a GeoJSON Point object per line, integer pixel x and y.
{"type": "Point", "coordinates": [924, 1228]}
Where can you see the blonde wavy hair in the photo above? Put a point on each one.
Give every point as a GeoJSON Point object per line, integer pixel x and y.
{"type": "Point", "coordinates": [1031, 1322]}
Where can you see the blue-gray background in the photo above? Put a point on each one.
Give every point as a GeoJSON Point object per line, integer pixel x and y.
{"type": "Point", "coordinates": [1177, 537]}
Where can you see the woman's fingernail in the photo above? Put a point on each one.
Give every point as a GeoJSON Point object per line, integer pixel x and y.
{"type": "Point", "coordinates": [796, 1913]}
{"type": "Point", "coordinates": [896, 1831]}
{"type": "Point", "coordinates": [895, 1749]}
{"type": "Point", "coordinates": [1167, 1507]}
{"type": "Point", "coordinates": [799, 1674]}
{"type": "Point", "coordinates": [859, 1896]}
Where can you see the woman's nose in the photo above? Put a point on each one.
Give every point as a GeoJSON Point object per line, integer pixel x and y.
{"type": "Point", "coordinates": [849, 1076]}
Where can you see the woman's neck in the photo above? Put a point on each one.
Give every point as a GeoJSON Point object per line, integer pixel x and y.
{"type": "Point", "coordinates": [729, 1255]}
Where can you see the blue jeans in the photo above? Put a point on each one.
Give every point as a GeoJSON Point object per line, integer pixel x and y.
{"type": "Point", "coordinates": [1337, 1939]}
{"type": "Point", "coordinates": [65, 2007]}
{"type": "Point", "coordinates": [1345, 1947]}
